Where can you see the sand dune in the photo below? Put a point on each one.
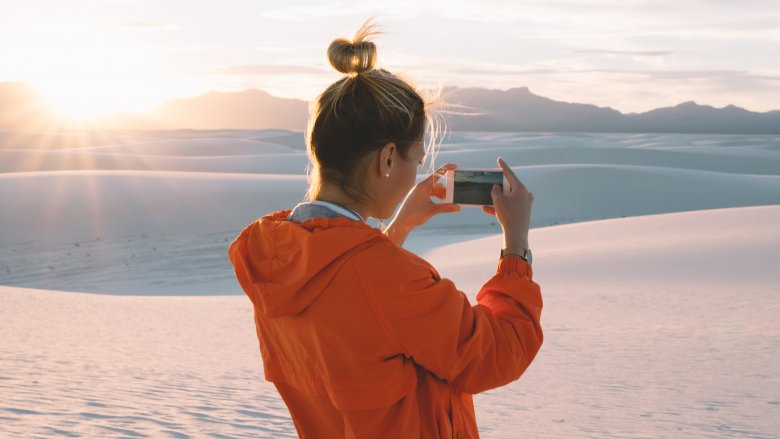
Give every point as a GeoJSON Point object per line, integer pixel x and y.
{"type": "Point", "coordinates": [655, 326]}
{"type": "Point", "coordinates": [660, 324]}
{"type": "Point", "coordinates": [105, 231]}
{"type": "Point", "coordinates": [581, 192]}
{"type": "Point", "coordinates": [89, 204]}
{"type": "Point", "coordinates": [205, 145]}
{"type": "Point", "coordinates": [55, 204]}
{"type": "Point", "coordinates": [284, 152]}
{"type": "Point", "coordinates": [268, 163]}
{"type": "Point", "coordinates": [131, 232]}
{"type": "Point", "coordinates": [138, 202]}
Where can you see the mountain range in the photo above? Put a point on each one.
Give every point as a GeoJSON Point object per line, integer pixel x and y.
{"type": "Point", "coordinates": [516, 109]}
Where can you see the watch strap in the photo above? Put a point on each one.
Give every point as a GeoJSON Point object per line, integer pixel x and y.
{"type": "Point", "coordinates": [513, 254]}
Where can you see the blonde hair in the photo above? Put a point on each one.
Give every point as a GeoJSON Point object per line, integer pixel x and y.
{"type": "Point", "coordinates": [360, 113]}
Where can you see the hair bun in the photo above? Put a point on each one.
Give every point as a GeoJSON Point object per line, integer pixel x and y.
{"type": "Point", "coordinates": [356, 56]}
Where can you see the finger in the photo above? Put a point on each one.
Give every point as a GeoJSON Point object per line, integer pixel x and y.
{"type": "Point", "coordinates": [514, 182]}
{"type": "Point", "coordinates": [443, 170]}
{"type": "Point", "coordinates": [447, 208]}
{"type": "Point", "coordinates": [447, 167]}
{"type": "Point", "coordinates": [429, 180]}
{"type": "Point", "coordinates": [496, 192]}
{"type": "Point", "coordinates": [439, 191]}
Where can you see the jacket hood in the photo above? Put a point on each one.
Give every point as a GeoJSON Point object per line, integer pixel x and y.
{"type": "Point", "coordinates": [283, 266]}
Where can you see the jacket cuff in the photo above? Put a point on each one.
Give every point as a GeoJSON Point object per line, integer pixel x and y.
{"type": "Point", "coordinates": [515, 264]}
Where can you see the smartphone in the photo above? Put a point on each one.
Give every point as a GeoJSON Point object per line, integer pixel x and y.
{"type": "Point", "coordinates": [471, 187]}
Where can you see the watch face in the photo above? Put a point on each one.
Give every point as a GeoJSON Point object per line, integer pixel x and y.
{"type": "Point", "coordinates": [527, 255]}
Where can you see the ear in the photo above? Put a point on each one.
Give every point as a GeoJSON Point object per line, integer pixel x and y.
{"type": "Point", "coordinates": [387, 155]}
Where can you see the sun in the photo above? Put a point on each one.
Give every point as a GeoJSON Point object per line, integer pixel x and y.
{"type": "Point", "coordinates": [95, 97]}
{"type": "Point", "coordinates": [94, 71]}
{"type": "Point", "coordinates": [83, 99]}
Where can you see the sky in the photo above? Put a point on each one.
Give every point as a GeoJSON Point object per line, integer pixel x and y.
{"type": "Point", "coordinates": [88, 57]}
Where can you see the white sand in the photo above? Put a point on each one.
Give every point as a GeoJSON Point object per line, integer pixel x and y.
{"type": "Point", "coordinates": [672, 334]}
{"type": "Point", "coordinates": [659, 324]}
{"type": "Point", "coordinates": [101, 215]}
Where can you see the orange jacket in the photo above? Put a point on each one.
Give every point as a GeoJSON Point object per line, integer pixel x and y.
{"type": "Point", "coordinates": [364, 339]}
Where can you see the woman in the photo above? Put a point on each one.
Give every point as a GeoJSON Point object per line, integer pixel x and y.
{"type": "Point", "coordinates": [362, 338]}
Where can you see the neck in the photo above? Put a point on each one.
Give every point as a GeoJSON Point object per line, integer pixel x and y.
{"type": "Point", "coordinates": [336, 196]}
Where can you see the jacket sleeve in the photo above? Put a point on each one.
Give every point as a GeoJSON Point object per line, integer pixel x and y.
{"type": "Point", "coordinates": [474, 348]}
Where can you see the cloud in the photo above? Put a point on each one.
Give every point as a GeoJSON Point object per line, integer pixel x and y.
{"type": "Point", "coordinates": [627, 52]}
{"type": "Point", "coordinates": [149, 26]}
{"type": "Point", "coordinates": [307, 11]}
{"type": "Point", "coordinates": [270, 70]}
{"type": "Point", "coordinates": [492, 70]}
{"type": "Point", "coordinates": [499, 71]}
{"type": "Point", "coordinates": [647, 73]}
{"type": "Point", "coordinates": [682, 74]}
{"type": "Point", "coordinates": [277, 49]}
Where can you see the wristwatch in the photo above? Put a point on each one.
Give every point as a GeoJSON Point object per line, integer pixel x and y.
{"type": "Point", "coordinates": [526, 255]}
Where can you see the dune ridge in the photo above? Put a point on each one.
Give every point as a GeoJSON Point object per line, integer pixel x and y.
{"type": "Point", "coordinates": [643, 337]}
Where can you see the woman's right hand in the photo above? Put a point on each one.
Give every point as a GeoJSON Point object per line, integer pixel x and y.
{"type": "Point", "coordinates": [512, 209]}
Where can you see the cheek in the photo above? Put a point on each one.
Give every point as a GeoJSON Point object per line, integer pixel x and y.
{"type": "Point", "coordinates": [403, 188]}
{"type": "Point", "coordinates": [411, 179]}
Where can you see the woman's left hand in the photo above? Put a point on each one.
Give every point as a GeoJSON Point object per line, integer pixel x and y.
{"type": "Point", "coordinates": [417, 208]}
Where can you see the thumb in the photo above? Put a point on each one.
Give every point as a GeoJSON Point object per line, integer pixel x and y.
{"type": "Point", "coordinates": [495, 192]}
